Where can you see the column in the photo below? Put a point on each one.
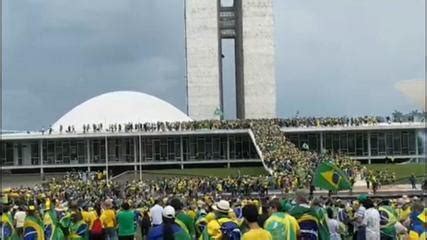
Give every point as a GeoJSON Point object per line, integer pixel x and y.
{"type": "Point", "coordinates": [417, 151]}
{"type": "Point", "coordinates": [181, 152]}
{"type": "Point", "coordinates": [228, 151]}
{"type": "Point", "coordinates": [41, 159]}
{"type": "Point", "coordinates": [369, 147]}
{"type": "Point", "coordinates": [135, 158]}
{"type": "Point", "coordinates": [106, 158]}
{"type": "Point", "coordinates": [15, 154]}
{"type": "Point", "coordinates": [88, 154]}
{"type": "Point", "coordinates": [321, 142]}
{"type": "Point", "coordinates": [140, 158]}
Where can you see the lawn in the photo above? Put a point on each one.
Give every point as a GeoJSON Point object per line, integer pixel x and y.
{"type": "Point", "coordinates": [218, 172]}
{"type": "Point", "coordinates": [402, 171]}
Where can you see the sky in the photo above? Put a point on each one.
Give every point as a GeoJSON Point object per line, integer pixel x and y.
{"type": "Point", "coordinates": [332, 57]}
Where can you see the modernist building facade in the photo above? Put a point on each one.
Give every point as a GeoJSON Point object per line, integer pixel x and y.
{"type": "Point", "coordinates": [69, 143]}
{"type": "Point", "coordinates": [182, 148]}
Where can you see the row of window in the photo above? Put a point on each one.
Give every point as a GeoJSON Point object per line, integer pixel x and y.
{"type": "Point", "coordinates": [212, 147]}
{"type": "Point", "coordinates": [356, 143]}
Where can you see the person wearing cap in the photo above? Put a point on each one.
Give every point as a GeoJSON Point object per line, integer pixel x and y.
{"type": "Point", "coordinates": [281, 225]}
{"type": "Point", "coordinates": [182, 219]}
{"type": "Point", "coordinates": [250, 214]}
{"type": "Point", "coordinates": [52, 230]}
{"type": "Point", "coordinates": [220, 218]}
{"type": "Point", "coordinates": [168, 229]}
{"type": "Point", "coordinates": [33, 226]}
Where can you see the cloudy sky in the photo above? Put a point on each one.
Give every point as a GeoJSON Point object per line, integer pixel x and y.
{"type": "Point", "coordinates": [333, 57]}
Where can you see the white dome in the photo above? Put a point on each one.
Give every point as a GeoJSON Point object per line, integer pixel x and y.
{"type": "Point", "coordinates": [119, 108]}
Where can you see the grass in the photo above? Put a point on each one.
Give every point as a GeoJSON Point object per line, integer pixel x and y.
{"type": "Point", "coordinates": [215, 172]}
{"type": "Point", "coordinates": [402, 171]}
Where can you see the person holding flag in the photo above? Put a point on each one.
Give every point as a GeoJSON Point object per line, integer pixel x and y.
{"type": "Point", "coordinates": [33, 226]}
{"type": "Point", "coordinates": [79, 230]}
{"type": "Point", "coordinates": [7, 229]}
{"type": "Point", "coordinates": [311, 222]}
{"type": "Point", "coordinates": [281, 225]}
{"type": "Point", "coordinates": [328, 176]}
{"type": "Point", "coordinates": [388, 220]}
{"type": "Point", "coordinates": [418, 222]}
{"type": "Point", "coordinates": [52, 229]}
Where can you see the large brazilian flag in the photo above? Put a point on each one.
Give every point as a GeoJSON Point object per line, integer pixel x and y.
{"type": "Point", "coordinates": [33, 228]}
{"type": "Point", "coordinates": [330, 177]}
{"type": "Point", "coordinates": [52, 230]}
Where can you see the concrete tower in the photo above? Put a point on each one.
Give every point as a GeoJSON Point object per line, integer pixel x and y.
{"type": "Point", "coordinates": [250, 24]}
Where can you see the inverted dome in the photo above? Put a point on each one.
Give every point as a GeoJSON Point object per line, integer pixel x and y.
{"type": "Point", "coordinates": [119, 108]}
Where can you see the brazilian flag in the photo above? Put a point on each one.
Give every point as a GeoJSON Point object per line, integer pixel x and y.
{"type": "Point", "coordinates": [7, 230]}
{"type": "Point", "coordinates": [52, 229]}
{"type": "Point", "coordinates": [330, 177]}
{"type": "Point", "coordinates": [33, 228]}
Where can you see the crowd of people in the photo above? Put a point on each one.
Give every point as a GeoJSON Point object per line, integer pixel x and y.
{"type": "Point", "coordinates": [280, 156]}
{"type": "Point", "coordinates": [86, 206]}
{"type": "Point", "coordinates": [226, 124]}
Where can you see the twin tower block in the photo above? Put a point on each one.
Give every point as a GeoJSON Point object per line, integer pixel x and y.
{"type": "Point", "coordinates": [250, 24]}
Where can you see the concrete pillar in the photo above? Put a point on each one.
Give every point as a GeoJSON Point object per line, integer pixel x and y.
{"type": "Point", "coordinates": [15, 154]}
{"type": "Point", "coordinates": [321, 141]}
{"type": "Point", "coordinates": [369, 147]}
{"type": "Point", "coordinates": [88, 154]}
{"type": "Point", "coordinates": [41, 159]}
{"type": "Point", "coordinates": [417, 151]}
{"type": "Point", "coordinates": [228, 151]}
{"type": "Point", "coordinates": [135, 158]}
{"type": "Point", "coordinates": [106, 158]}
{"type": "Point", "coordinates": [140, 158]}
{"type": "Point", "coordinates": [181, 145]}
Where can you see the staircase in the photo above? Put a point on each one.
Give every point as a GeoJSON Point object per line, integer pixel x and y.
{"type": "Point", "coordinates": [257, 148]}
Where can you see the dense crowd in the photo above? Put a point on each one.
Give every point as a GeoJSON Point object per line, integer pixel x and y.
{"type": "Point", "coordinates": [280, 156]}
{"type": "Point", "coordinates": [86, 206]}
{"type": "Point", "coordinates": [236, 124]}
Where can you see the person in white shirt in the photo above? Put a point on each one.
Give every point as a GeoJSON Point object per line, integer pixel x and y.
{"type": "Point", "coordinates": [359, 219]}
{"type": "Point", "coordinates": [335, 227]}
{"type": "Point", "coordinates": [372, 217]}
{"type": "Point", "coordinates": [156, 213]}
{"type": "Point", "coordinates": [19, 220]}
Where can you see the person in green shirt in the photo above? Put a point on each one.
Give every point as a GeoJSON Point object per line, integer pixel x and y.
{"type": "Point", "coordinates": [182, 219]}
{"type": "Point", "coordinates": [126, 223]}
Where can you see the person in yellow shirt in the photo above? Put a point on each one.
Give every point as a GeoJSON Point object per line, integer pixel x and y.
{"type": "Point", "coordinates": [403, 208]}
{"type": "Point", "coordinates": [219, 221]}
{"type": "Point", "coordinates": [250, 213]}
{"type": "Point", "coordinates": [108, 219]}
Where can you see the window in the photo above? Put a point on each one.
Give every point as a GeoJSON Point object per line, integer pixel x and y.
{"type": "Point", "coordinates": [351, 144]}
{"type": "Point", "coordinates": [374, 144]}
{"type": "Point", "coordinates": [381, 143]}
{"type": "Point", "coordinates": [397, 147]}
